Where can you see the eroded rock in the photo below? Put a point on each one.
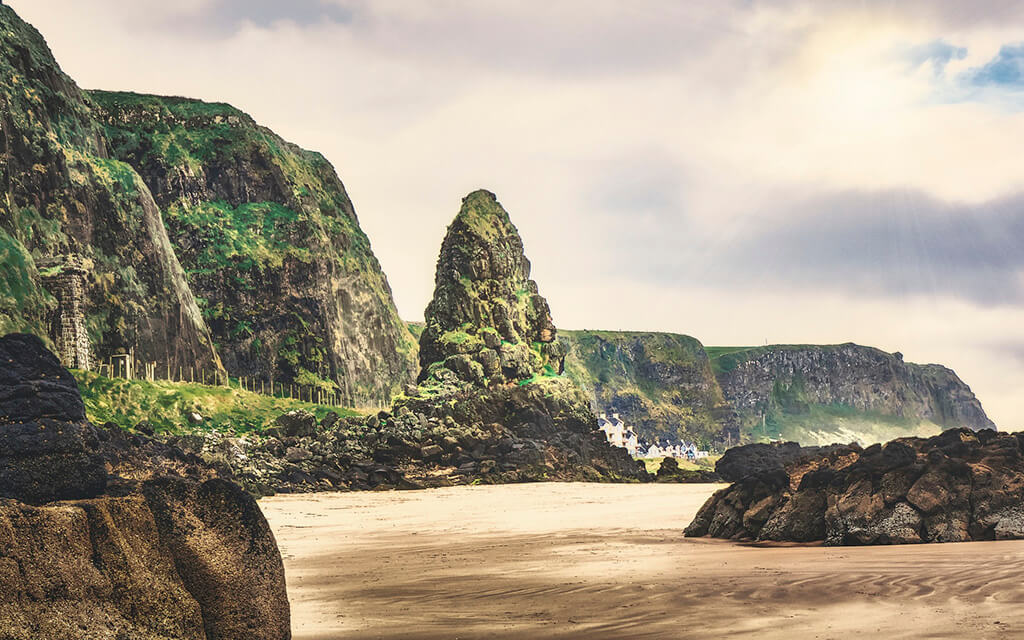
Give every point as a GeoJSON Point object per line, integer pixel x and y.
{"type": "Point", "coordinates": [960, 485]}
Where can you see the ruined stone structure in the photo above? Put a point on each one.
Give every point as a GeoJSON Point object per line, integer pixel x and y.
{"type": "Point", "coordinates": [64, 278]}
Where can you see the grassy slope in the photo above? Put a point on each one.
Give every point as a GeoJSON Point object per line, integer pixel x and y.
{"type": "Point", "coordinates": [166, 405]}
{"type": "Point", "coordinates": [704, 464]}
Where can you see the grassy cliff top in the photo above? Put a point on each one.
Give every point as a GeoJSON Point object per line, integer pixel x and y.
{"type": "Point", "coordinates": [482, 214]}
{"type": "Point", "coordinates": [658, 345]}
{"type": "Point", "coordinates": [725, 359]}
{"type": "Point", "coordinates": [176, 106]}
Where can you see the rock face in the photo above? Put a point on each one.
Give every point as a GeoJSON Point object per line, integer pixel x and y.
{"type": "Point", "coordinates": [490, 361]}
{"type": "Point", "coordinates": [660, 383]}
{"type": "Point", "coordinates": [87, 556]}
{"type": "Point", "coordinates": [277, 271]}
{"type": "Point", "coordinates": [271, 244]}
{"type": "Point", "coordinates": [960, 485]}
{"type": "Point", "coordinates": [64, 196]}
{"type": "Point", "coordinates": [487, 320]}
{"type": "Point", "coordinates": [668, 385]}
{"type": "Point", "coordinates": [783, 383]}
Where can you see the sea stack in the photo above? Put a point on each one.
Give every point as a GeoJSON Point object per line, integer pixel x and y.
{"type": "Point", "coordinates": [487, 321]}
{"type": "Point", "coordinates": [490, 362]}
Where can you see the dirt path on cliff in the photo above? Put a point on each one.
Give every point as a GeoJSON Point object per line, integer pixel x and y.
{"type": "Point", "coordinates": [609, 561]}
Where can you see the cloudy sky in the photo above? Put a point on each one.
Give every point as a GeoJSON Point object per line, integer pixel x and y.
{"type": "Point", "coordinates": [738, 171]}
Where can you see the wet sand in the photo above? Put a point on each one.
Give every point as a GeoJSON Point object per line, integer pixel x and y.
{"type": "Point", "coordinates": [609, 561]}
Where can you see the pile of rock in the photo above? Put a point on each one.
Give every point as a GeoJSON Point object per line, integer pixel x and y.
{"type": "Point", "coordinates": [87, 553]}
{"type": "Point", "coordinates": [960, 485]}
{"type": "Point", "coordinates": [405, 450]}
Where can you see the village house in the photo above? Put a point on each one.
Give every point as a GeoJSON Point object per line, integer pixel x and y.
{"type": "Point", "coordinates": [621, 435]}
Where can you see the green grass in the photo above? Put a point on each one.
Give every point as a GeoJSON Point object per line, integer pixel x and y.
{"type": "Point", "coordinates": [703, 464]}
{"type": "Point", "coordinates": [166, 405]}
{"type": "Point", "coordinates": [248, 239]}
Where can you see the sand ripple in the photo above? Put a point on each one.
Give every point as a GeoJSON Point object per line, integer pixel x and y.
{"type": "Point", "coordinates": [609, 561]}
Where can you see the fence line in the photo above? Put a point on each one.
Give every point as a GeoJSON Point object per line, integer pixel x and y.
{"type": "Point", "coordinates": [125, 366]}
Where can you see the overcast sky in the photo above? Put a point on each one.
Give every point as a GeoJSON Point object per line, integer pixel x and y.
{"type": "Point", "coordinates": [739, 171]}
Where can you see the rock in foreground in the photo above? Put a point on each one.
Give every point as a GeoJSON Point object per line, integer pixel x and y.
{"type": "Point", "coordinates": [958, 486]}
{"type": "Point", "coordinates": [156, 558]}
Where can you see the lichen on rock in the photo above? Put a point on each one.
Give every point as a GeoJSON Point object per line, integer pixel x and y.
{"type": "Point", "coordinates": [487, 320]}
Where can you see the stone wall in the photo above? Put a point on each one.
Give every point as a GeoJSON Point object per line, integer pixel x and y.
{"type": "Point", "coordinates": [65, 280]}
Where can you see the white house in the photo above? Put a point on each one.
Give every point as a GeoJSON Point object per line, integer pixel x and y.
{"type": "Point", "coordinates": [621, 435]}
{"type": "Point", "coordinates": [618, 434]}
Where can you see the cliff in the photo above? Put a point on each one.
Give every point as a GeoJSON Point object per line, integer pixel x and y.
{"type": "Point", "coordinates": [838, 393]}
{"type": "Point", "coordinates": [284, 275]}
{"type": "Point", "coordinates": [660, 383]}
{"type": "Point", "coordinates": [64, 198]}
{"type": "Point", "coordinates": [193, 234]}
{"type": "Point", "coordinates": [668, 385]}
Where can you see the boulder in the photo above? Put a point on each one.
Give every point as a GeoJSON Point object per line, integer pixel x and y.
{"type": "Point", "coordinates": [150, 557]}
{"type": "Point", "coordinates": [296, 424]}
{"type": "Point", "coordinates": [297, 454]}
{"type": "Point", "coordinates": [431, 451]}
{"type": "Point", "coordinates": [226, 555]}
{"type": "Point", "coordinates": [47, 449]}
{"type": "Point", "coordinates": [329, 420]}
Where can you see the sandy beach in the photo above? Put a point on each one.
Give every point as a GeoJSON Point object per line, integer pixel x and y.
{"type": "Point", "coordinates": [610, 561]}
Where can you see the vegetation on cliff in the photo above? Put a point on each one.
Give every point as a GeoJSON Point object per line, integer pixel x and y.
{"type": "Point", "coordinates": [64, 195]}
{"type": "Point", "coordinates": [660, 383]}
{"type": "Point", "coordinates": [816, 394]}
{"type": "Point", "coordinates": [284, 275]}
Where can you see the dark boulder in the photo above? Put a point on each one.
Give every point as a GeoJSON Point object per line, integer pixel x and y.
{"type": "Point", "coordinates": [294, 424]}
{"type": "Point", "coordinates": [147, 554]}
{"type": "Point", "coordinates": [47, 449]}
{"type": "Point", "coordinates": [757, 458]}
{"type": "Point", "coordinates": [226, 555]}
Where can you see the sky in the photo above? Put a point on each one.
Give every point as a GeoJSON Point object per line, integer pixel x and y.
{"type": "Point", "coordinates": [740, 171]}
